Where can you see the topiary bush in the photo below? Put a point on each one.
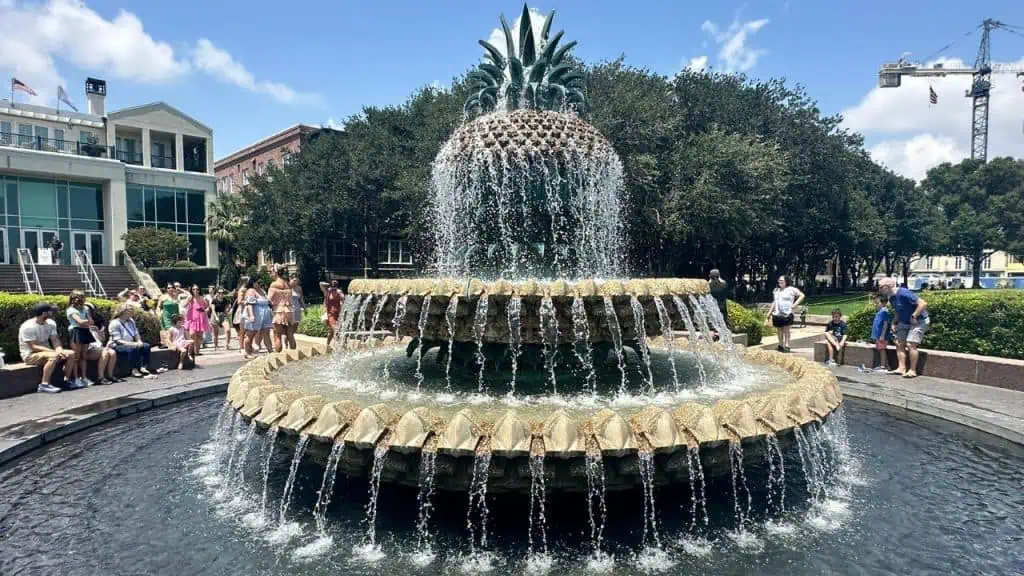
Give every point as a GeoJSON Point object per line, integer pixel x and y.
{"type": "Point", "coordinates": [749, 322]}
{"type": "Point", "coordinates": [986, 322]}
{"type": "Point", "coordinates": [311, 324]}
{"type": "Point", "coordinates": [16, 308]}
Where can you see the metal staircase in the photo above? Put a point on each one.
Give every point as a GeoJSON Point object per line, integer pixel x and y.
{"type": "Point", "coordinates": [87, 273]}
{"type": "Point", "coordinates": [29, 274]}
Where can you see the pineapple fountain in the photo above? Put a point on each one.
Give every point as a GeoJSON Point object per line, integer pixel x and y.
{"type": "Point", "coordinates": [529, 363]}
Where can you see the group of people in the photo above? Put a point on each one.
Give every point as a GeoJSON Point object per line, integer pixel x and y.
{"type": "Point", "coordinates": [267, 318]}
{"type": "Point", "coordinates": [907, 328]}
{"type": "Point", "coordinates": [90, 337]}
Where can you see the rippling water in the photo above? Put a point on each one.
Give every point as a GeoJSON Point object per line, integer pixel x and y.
{"type": "Point", "coordinates": [142, 496]}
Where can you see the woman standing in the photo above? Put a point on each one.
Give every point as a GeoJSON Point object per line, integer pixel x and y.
{"type": "Point", "coordinates": [257, 317]}
{"type": "Point", "coordinates": [221, 318]}
{"type": "Point", "coordinates": [298, 305]}
{"type": "Point", "coordinates": [238, 313]}
{"type": "Point", "coordinates": [786, 299]}
{"type": "Point", "coordinates": [80, 336]}
{"type": "Point", "coordinates": [196, 321]}
{"type": "Point", "coordinates": [280, 296]}
{"type": "Point", "coordinates": [168, 306]}
{"type": "Point", "coordinates": [332, 307]}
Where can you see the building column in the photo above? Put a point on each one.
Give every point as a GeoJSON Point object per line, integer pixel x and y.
{"type": "Point", "coordinates": [209, 156]}
{"type": "Point", "coordinates": [111, 137]}
{"type": "Point", "coordinates": [179, 152]}
{"type": "Point", "coordinates": [147, 154]}
{"type": "Point", "coordinates": [115, 217]}
{"type": "Point", "coordinates": [212, 251]}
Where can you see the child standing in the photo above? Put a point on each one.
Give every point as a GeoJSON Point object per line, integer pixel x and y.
{"type": "Point", "coordinates": [881, 330]}
{"type": "Point", "coordinates": [79, 324]}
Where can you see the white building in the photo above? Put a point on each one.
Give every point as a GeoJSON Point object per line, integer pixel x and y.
{"type": "Point", "coordinates": [87, 178]}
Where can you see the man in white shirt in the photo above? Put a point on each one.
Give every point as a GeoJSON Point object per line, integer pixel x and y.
{"type": "Point", "coordinates": [40, 346]}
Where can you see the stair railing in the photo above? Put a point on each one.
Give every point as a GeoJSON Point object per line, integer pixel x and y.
{"type": "Point", "coordinates": [29, 274]}
{"type": "Point", "coordinates": [88, 274]}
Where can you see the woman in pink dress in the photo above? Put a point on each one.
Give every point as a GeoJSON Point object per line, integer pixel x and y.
{"type": "Point", "coordinates": [196, 320]}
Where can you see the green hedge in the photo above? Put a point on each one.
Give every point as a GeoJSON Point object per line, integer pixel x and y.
{"type": "Point", "coordinates": [987, 322]}
{"type": "Point", "coordinates": [16, 308]}
{"type": "Point", "coordinates": [745, 321]}
{"type": "Point", "coordinates": [201, 277]}
{"type": "Point", "coordinates": [311, 324]}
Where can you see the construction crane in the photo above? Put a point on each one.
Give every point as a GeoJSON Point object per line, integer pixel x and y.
{"type": "Point", "coordinates": [891, 75]}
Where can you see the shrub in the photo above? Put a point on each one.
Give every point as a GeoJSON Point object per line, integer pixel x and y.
{"type": "Point", "coordinates": [260, 273]}
{"type": "Point", "coordinates": [183, 264]}
{"type": "Point", "coordinates": [311, 324]}
{"type": "Point", "coordinates": [749, 322]}
{"type": "Point", "coordinates": [202, 277]}
{"type": "Point", "coordinates": [16, 308]}
{"type": "Point", "coordinates": [154, 246]}
{"type": "Point", "coordinates": [987, 322]}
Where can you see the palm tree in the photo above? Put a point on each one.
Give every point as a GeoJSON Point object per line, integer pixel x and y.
{"type": "Point", "coordinates": [224, 224]}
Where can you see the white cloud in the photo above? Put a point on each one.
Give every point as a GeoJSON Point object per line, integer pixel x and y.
{"type": "Point", "coordinates": [909, 136]}
{"type": "Point", "coordinates": [697, 63]}
{"type": "Point", "coordinates": [334, 124]}
{"type": "Point", "coordinates": [218, 63]}
{"type": "Point", "coordinates": [35, 37]}
{"type": "Point", "coordinates": [537, 20]}
{"type": "Point", "coordinates": [734, 55]}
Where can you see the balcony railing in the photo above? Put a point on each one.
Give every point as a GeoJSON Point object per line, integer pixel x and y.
{"type": "Point", "coordinates": [128, 157]}
{"type": "Point", "coordinates": [195, 165]}
{"type": "Point", "coordinates": [54, 145]}
{"type": "Point", "coordinates": [158, 161]}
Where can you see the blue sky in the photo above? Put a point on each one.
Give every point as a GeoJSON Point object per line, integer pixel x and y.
{"type": "Point", "coordinates": [249, 68]}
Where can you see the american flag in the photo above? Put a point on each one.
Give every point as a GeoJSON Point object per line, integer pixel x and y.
{"type": "Point", "coordinates": [932, 96]}
{"type": "Point", "coordinates": [19, 86]}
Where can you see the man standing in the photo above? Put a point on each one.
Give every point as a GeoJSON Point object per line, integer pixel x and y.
{"type": "Point", "coordinates": [720, 292]}
{"type": "Point", "coordinates": [912, 323]}
{"type": "Point", "coordinates": [40, 346]}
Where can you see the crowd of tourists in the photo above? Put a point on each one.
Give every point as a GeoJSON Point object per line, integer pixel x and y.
{"type": "Point", "coordinates": [90, 338]}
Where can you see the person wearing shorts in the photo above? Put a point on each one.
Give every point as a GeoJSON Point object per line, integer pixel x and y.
{"type": "Point", "coordinates": [785, 299]}
{"type": "Point", "coordinates": [40, 345]}
{"type": "Point", "coordinates": [912, 324]}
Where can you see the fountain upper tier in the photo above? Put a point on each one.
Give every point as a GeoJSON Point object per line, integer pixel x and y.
{"type": "Point", "coordinates": [528, 193]}
{"type": "Point", "coordinates": [423, 307]}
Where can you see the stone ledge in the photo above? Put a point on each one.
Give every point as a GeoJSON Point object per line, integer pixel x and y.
{"type": "Point", "coordinates": [71, 421]}
{"type": "Point", "coordinates": [972, 368]}
{"type": "Point", "coordinates": [20, 379]}
{"type": "Point", "coordinates": [811, 398]}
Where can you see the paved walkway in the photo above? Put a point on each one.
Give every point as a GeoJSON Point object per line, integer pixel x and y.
{"type": "Point", "coordinates": [799, 337]}
{"type": "Point", "coordinates": [994, 410]}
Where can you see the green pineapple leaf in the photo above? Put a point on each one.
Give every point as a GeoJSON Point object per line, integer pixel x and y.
{"type": "Point", "coordinates": [496, 58]}
{"type": "Point", "coordinates": [515, 68]}
{"type": "Point", "coordinates": [547, 26]}
{"type": "Point", "coordinates": [549, 48]}
{"type": "Point", "coordinates": [482, 76]}
{"type": "Point", "coordinates": [496, 73]}
{"type": "Point", "coordinates": [471, 103]}
{"type": "Point", "coordinates": [556, 59]}
{"type": "Point", "coordinates": [537, 72]}
{"type": "Point", "coordinates": [510, 45]}
{"type": "Point", "coordinates": [556, 73]}
{"type": "Point", "coordinates": [526, 38]}
{"type": "Point", "coordinates": [574, 76]}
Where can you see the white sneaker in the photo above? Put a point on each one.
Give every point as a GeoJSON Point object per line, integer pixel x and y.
{"type": "Point", "coordinates": [87, 382]}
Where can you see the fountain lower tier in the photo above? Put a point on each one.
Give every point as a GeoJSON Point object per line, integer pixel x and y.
{"type": "Point", "coordinates": [555, 312]}
{"type": "Point", "coordinates": [670, 434]}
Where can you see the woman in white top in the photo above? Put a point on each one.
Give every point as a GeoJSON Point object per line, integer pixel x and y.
{"type": "Point", "coordinates": [786, 299]}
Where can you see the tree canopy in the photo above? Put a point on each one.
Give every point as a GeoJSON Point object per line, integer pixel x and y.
{"type": "Point", "coordinates": [720, 171]}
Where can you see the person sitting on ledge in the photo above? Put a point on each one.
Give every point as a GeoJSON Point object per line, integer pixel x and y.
{"type": "Point", "coordinates": [40, 346]}
{"type": "Point", "coordinates": [178, 340]}
{"type": "Point", "coordinates": [97, 350]}
{"type": "Point", "coordinates": [835, 337]}
{"type": "Point", "coordinates": [125, 340]}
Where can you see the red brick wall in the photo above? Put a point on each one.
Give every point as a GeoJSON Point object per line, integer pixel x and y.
{"type": "Point", "coordinates": [274, 150]}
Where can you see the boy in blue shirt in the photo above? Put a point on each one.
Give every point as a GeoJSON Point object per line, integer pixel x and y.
{"type": "Point", "coordinates": [881, 330]}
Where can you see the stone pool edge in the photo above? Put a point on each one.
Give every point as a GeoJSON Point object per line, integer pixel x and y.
{"type": "Point", "coordinates": [132, 404]}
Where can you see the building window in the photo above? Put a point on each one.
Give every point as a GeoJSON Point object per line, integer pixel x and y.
{"type": "Point", "coordinates": [928, 263]}
{"type": "Point", "coordinates": [394, 252]}
{"type": "Point", "coordinates": [183, 211]}
{"type": "Point", "coordinates": [36, 209]}
{"type": "Point", "coordinates": [6, 137]}
{"type": "Point", "coordinates": [958, 263]}
{"type": "Point", "coordinates": [987, 264]}
{"type": "Point", "coordinates": [245, 177]}
{"type": "Point", "coordinates": [343, 254]}
{"type": "Point", "coordinates": [24, 134]}
{"type": "Point", "coordinates": [286, 158]}
{"type": "Point", "coordinates": [86, 137]}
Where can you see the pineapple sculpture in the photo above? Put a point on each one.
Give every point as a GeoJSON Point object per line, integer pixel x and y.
{"type": "Point", "coordinates": [525, 187]}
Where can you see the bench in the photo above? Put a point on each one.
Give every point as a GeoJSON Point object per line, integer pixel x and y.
{"type": "Point", "coordinates": [19, 379]}
{"type": "Point", "coordinates": [973, 368]}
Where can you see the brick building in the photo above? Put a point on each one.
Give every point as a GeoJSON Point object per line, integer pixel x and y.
{"type": "Point", "coordinates": [342, 256]}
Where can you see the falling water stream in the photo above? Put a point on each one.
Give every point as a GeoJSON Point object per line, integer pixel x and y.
{"type": "Point", "coordinates": [478, 501]}
{"type": "Point", "coordinates": [422, 324]}
{"type": "Point", "coordinates": [376, 314]}
{"type": "Point", "coordinates": [613, 327]}
{"type": "Point", "coordinates": [424, 544]}
{"type": "Point", "coordinates": [380, 454]}
{"type": "Point", "coordinates": [737, 473]}
{"type": "Point", "coordinates": [665, 323]}
{"type": "Point", "coordinates": [641, 339]}
{"type": "Point", "coordinates": [646, 461]}
{"type": "Point", "coordinates": [269, 444]}
{"type": "Point", "coordinates": [596, 498]}
{"type": "Point", "coordinates": [581, 343]}
{"type": "Point", "coordinates": [289, 485]}
{"type": "Point", "coordinates": [693, 338]}
{"type": "Point", "coordinates": [514, 335]}
{"type": "Point", "coordinates": [401, 307]}
{"type": "Point", "coordinates": [698, 500]}
{"type": "Point", "coordinates": [449, 317]}
{"type": "Point", "coordinates": [479, 328]}
{"type": "Point", "coordinates": [549, 337]}
{"type": "Point", "coordinates": [323, 498]}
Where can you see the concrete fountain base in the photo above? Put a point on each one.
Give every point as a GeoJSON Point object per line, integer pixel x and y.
{"type": "Point", "coordinates": [670, 437]}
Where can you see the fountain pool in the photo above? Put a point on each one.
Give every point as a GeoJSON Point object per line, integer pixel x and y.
{"type": "Point", "coordinates": [147, 495]}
